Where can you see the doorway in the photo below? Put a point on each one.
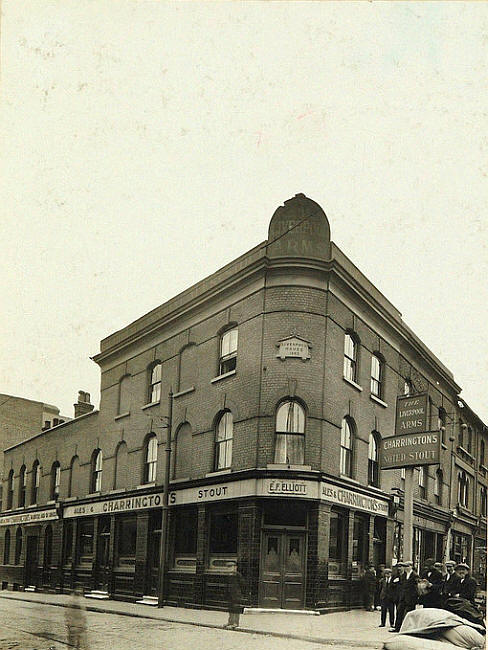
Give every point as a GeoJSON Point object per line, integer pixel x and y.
{"type": "Point", "coordinates": [282, 570]}
{"type": "Point", "coordinates": [32, 560]}
{"type": "Point", "coordinates": [102, 570]}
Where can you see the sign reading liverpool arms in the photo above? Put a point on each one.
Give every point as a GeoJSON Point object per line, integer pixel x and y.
{"type": "Point", "coordinates": [413, 443]}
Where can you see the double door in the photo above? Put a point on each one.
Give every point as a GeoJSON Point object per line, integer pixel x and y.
{"type": "Point", "coordinates": [102, 564]}
{"type": "Point", "coordinates": [283, 556]}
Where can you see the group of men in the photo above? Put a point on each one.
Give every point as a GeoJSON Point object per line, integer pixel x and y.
{"type": "Point", "coordinates": [400, 591]}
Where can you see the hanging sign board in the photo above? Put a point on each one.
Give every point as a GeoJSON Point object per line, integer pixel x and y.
{"type": "Point", "coordinates": [411, 414]}
{"type": "Point", "coordinates": [410, 450]}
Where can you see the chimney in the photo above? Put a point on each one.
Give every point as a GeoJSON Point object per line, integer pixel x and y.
{"type": "Point", "coordinates": [83, 405]}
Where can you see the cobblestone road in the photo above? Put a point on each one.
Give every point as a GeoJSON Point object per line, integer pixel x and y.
{"type": "Point", "coordinates": [32, 626]}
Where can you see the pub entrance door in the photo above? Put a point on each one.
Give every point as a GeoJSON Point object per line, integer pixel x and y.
{"type": "Point", "coordinates": [102, 568]}
{"type": "Point", "coordinates": [32, 561]}
{"type": "Point", "coordinates": [282, 583]}
{"type": "Point", "coordinates": [153, 548]}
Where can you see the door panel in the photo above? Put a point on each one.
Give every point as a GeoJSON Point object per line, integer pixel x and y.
{"type": "Point", "coordinates": [293, 571]}
{"type": "Point", "coordinates": [282, 570]}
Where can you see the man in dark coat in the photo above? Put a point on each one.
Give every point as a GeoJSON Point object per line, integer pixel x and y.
{"type": "Point", "coordinates": [369, 586]}
{"type": "Point", "coordinates": [434, 581]}
{"type": "Point", "coordinates": [450, 581]}
{"type": "Point", "coordinates": [466, 586]}
{"type": "Point", "coordinates": [234, 595]}
{"type": "Point", "coordinates": [387, 598]}
{"type": "Point", "coordinates": [408, 594]}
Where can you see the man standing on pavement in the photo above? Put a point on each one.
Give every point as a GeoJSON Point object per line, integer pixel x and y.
{"type": "Point", "coordinates": [386, 598]}
{"type": "Point", "coordinates": [433, 581]}
{"type": "Point", "coordinates": [408, 594]}
{"type": "Point", "coordinates": [466, 586]}
{"type": "Point", "coordinates": [450, 582]}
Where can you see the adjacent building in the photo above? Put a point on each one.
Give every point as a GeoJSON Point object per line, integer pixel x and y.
{"type": "Point", "coordinates": [283, 368]}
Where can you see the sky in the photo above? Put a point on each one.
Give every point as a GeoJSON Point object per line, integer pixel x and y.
{"type": "Point", "coordinates": [146, 144]}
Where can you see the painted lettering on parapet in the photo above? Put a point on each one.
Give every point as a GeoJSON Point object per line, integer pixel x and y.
{"type": "Point", "coordinates": [342, 496]}
{"type": "Point", "coordinates": [125, 504]}
{"type": "Point", "coordinates": [287, 487]}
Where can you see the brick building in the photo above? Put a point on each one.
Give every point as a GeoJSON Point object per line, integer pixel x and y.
{"type": "Point", "coordinates": [285, 366]}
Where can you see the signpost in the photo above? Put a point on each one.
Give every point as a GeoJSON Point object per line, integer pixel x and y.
{"type": "Point", "coordinates": [412, 445]}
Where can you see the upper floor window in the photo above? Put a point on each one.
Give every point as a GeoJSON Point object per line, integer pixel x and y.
{"type": "Point", "coordinates": [463, 489]}
{"type": "Point", "coordinates": [155, 373]}
{"type": "Point", "coordinates": [483, 501]}
{"type": "Point", "coordinates": [228, 351]}
{"type": "Point", "coordinates": [96, 471]}
{"type": "Point", "coordinates": [6, 547]}
{"type": "Point", "coordinates": [22, 486]}
{"type": "Point", "coordinates": [124, 395]}
{"type": "Point", "coordinates": [290, 433]}
{"type": "Point", "coordinates": [151, 459]}
{"type": "Point", "coordinates": [402, 473]}
{"type": "Point", "coordinates": [441, 423]}
{"type": "Point", "coordinates": [462, 427]}
{"type": "Point", "coordinates": [423, 481]}
{"type": "Point", "coordinates": [55, 480]}
{"type": "Point", "coordinates": [469, 440]}
{"type": "Point", "coordinates": [373, 465]}
{"type": "Point", "coordinates": [482, 452]}
{"type": "Point", "coordinates": [223, 441]}
{"type": "Point", "coordinates": [347, 437]}
{"type": "Point", "coordinates": [438, 487]}
{"type": "Point", "coordinates": [407, 387]}
{"type": "Point", "coordinates": [10, 490]}
{"type": "Point", "coordinates": [377, 369]}
{"type": "Point", "coordinates": [36, 477]}
{"type": "Point", "coordinates": [350, 356]}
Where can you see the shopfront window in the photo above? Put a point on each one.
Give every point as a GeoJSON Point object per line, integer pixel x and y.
{"type": "Point", "coordinates": [126, 542]}
{"type": "Point", "coordinates": [223, 539]}
{"type": "Point", "coordinates": [68, 542]}
{"type": "Point", "coordinates": [185, 547]}
{"type": "Point", "coordinates": [460, 548]}
{"type": "Point", "coordinates": [338, 543]}
{"type": "Point", "coordinates": [360, 543]}
{"type": "Point", "coordinates": [85, 542]}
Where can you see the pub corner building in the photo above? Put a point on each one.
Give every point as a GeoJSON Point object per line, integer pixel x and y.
{"type": "Point", "coordinates": [285, 367]}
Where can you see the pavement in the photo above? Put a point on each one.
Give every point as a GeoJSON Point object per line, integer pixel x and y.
{"type": "Point", "coordinates": [351, 629]}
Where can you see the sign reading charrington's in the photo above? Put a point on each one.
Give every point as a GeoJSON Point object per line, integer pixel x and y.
{"type": "Point", "coordinates": [29, 517]}
{"type": "Point", "coordinates": [113, 506]}
{"type": "Point", "coordinates": [410, 450]}
{"type": "Point", "coordinates": [344, 497]}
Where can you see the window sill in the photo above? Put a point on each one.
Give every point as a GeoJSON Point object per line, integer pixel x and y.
{"type": "Point", "coordinates": [116, 491]}
{"type": "Point", "coordinates": [287, 466]}
{"type": "Point", "coordinates": [184, 392]}
{"type": "Point", "coordinates": [146, 485]}
{"type": "Point", "coordinates": [70, 499]}
{"type": "Point", "coordinates": [378, 400]}
{"type": "Point", "coordinates": [231, 373]}
{"type": "Point", "coordinates": [352, 383]}
{"type": "Point", "coordinates": [180, 480]}
{"type": "Point", "coordinates": [122, 415]}
{"type": "Point", "coordinates": [148, 406]}
{"type": "Point", "coordinates": [219, 472]}
{"type": "Point", "coordinates": [51, 502]}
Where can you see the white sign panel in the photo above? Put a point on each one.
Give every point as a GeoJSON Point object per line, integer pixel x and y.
{"type": "Point", "coordinates": [219, 492]}
{"type": "Point", "coordinates": [288, 488]}
{"type": "Point", "coordinates": [344, 497]}
{"type": "Point", "coordinates": [294, 347]}
{"type": "Point", "coordinates": [114, 506]}
{"type": "Point", "coordinates": [29, 517]}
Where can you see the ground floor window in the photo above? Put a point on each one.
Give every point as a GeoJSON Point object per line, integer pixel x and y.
{"type": "Point", "coordinates": [397, 554]}
{"type": "Point", "coordinates": [360, 543]}
{"type": "Point", "coordinates": [338, 542]}
{"type": "Point", "coordinates": [126, 542]}
{"type": "Point", "coordinates": [85, 542]}
{"type": "Point", "coordinates": [68, 542]}
{"type": "Point", "coordinates": [460, 548]}
{"type": "Point", "coordinates": [279, 513]}
{"type": "Point", "coordinates": [222, 539]}
{"type": "Point", "coordinates": [18, 545]}
{"type": "Point", "coordinates": [185, 544]}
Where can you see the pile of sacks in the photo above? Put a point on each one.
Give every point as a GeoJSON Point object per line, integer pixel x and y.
{"type": "Point", "coordinates": [432, 629]}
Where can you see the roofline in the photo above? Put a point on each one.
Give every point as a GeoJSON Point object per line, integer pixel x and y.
{"type": "Point", "coordinates": [58, 426]}
{"type": "Point", "coordinates": [477, 417]}
{"type": "Point", "coordinates": [33, 401]}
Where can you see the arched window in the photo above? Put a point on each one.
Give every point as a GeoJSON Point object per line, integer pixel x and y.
{"type": "Point", "coordinates": [124, 395]}
{"type": "Point", "coordinates": [441, 423]}
{"type": "Point", "coordinates": [350, 356]}
{"type": "Point", "coordinates": [55, 480]}
{"type": "Point", "coordinates": [22, 486]}
{"type": "Point", "coordinates": [347, 441]}
{"type": "Point", "coordinates": [18, 545]}
{"type": "Point", "coordinates": [373, 465]}
{"type": "Point", "coordinates": [377, 372]}
{"type": "Point", "coordinates": [10, 490]}
{"type": "Point", "coordinates": [228, 351]}
{"type": "Point", "coordinates": [36, 478]}
{"type": "Point", "coordinates": [438, 487]}
{"type": "Point", "coordinates": [482, 452]}
{"type": "Point", "coordinates": [74, 481]}
{"type": "Point", "coordinates": [183, 457]}
{"type": "Point", "coordinates": [121, 469]}
{"type": "Point", "coordinates": [423, 481]}
{"type": "Point", "coordinates": [155, 373]}
{"type": "Point", "coordinates": [48, 546]}
{"type": "Point", "coordinates": [483, 501]}
{"type": "Point", "coordinates": [189, 367]}
{"type": "Point", "coordinates": [290, 433]}
{"type": "Point", "coordinates": [6, 547]}
{"type": "Point", "coordinates": [463, 489]}
{"type": "Point", "coordinates": [223, 441]}
{"type": "Point", "coordinates": [462, 427]}
{"type": "Point", "coordinates": [150, 458]}
{"type": "Point", "coordinates": [407, 387]}
{"type": "Point", "coordinates": [96, 471]}
{"type": "Point", "coordinates": [469, 440]}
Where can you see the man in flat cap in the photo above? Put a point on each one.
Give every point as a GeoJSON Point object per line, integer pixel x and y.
{"type": "Point", "coordinates": [432, 582]}
{"type": "Point", "coordinates": [466, 587]}
{"type": "Point", "coordinates": [408, 593]}
{"type": "Point", "coordinates": [451, 579]}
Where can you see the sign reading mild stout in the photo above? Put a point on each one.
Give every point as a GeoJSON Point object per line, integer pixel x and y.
{"type": "Point", "coordinates": [413, 443]}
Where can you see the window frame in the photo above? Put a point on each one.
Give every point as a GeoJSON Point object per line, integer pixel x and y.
{"type": "Point", "coordinates": [463, 489]}
{"type": "Point", "coordinates": [22, 487]}
{"type": "Point", "coordinates": [438, 483]}
{"type": "Point", "coordinates": [96, 471]}
{"type": "Point", "coordinates": [225, 443]}
{"type": "Point", "coordinates": [407, 387]}
{"type": "Point", "coordinates": [377, 381]}
{"type": "Point", "coordinates": [299, 418]}
{"type": "Point", "coordinates": [422, 481]}
{"type": "Point", "coordinates": [10, 490]}
{"type": "Point", "coordinates": [55, 481]}
{"type": "Point", "coordinates": [36, 479]}
{"type": "Point", "coordinates": [373, 463]}
{"type": "Point", "coordinates": [346, 453]}
{"type": "Point", "coordinates": [154, 383]}
{"type": "Point", "coordinates": [228, 359]}
{"type": "Point", "coordinates": [350, 358]}
{"type": "Point", "coordinates": [150, 462]}
{"type": "Point", "coordinates": [122, 382]}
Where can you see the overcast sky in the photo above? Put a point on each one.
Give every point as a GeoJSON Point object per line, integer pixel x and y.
{"type": "Point", "coordinates": [147, 144]}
